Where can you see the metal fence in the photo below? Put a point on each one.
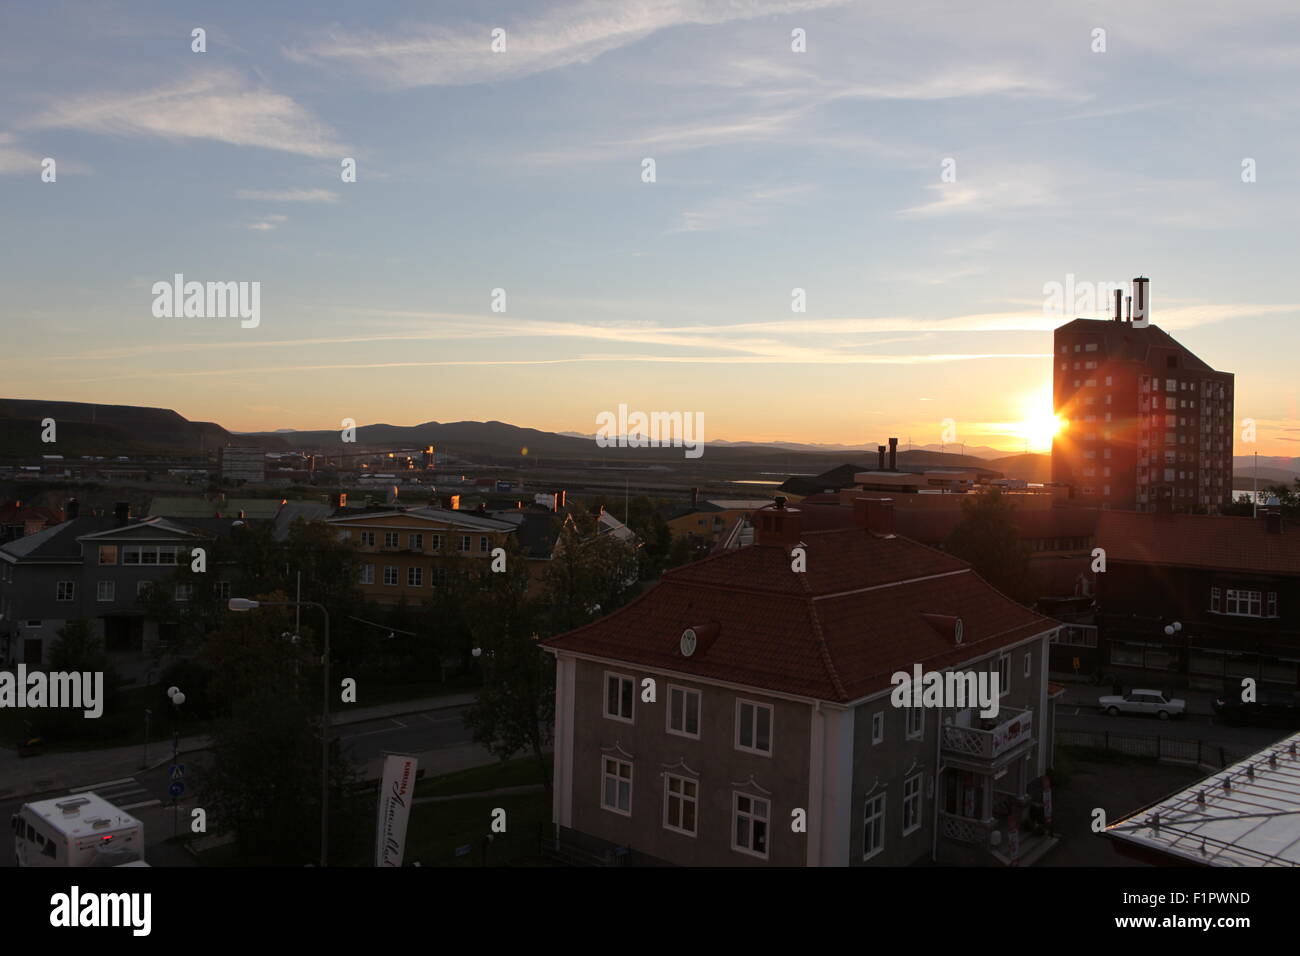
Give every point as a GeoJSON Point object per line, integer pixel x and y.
{"type": "Point", "coordinates": [1154, 747]}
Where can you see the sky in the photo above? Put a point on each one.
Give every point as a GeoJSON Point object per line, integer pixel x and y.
{"type": "Point", "coordinates": [922, 172]}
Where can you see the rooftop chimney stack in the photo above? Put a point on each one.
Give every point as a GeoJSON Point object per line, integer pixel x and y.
{"type": "Point", "coordinates": [893, 454]}
{"type": "Point", "coordinates": [122, 512]}
{"type": "Point", "coordinates": [1140, 304]}
{"type": "Point", "coordinates": [880, 455]}
{"type": "Point", "coordinates": [1119, 305]}
{"type": "Point", "coordinates": [1129, 317]}
{"type": "Point", "coordinates": [72, 509]}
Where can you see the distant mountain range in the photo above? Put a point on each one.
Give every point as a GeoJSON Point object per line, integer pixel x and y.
{"type": "Point", "coordinates": [974, 451]}
{"type": "Point", "coordinates": [110, 430]}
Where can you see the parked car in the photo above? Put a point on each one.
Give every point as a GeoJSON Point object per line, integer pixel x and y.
{"type": "Point", "coordinates": [1139, 701]}
{"type": "Point", "coordinates": [1274, 710]}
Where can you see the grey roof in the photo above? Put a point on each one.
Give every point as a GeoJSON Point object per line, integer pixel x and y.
{"type": "Point", "coordinates": [62, 542]}
{"type": "Point", "coordinates": [291, 511]}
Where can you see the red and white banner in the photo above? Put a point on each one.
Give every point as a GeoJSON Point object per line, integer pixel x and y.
{"type": "Point", "coordinates": [396, 791]}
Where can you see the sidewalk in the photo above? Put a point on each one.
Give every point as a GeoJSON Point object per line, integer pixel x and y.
{"type": "Point", "coordinates": [1079, 693]}
{"type": "Point", "coordinates": [23, 776]}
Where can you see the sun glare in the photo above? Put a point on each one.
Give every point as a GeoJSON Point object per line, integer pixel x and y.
{"type": "Point", "coordinates": [1038, 424]}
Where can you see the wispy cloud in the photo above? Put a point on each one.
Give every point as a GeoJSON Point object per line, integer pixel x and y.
{"type": "Point", "coordinates": [214, 105]}
{"type": "Point", "coordinates": [422, 55]}
{"type": "Point", "coordinates": [267, 223]}
{"type": "Point", "coordinates": [289, 195]}
{"type": "Point", "coordinates": [15, 159]}
{"type": "Point", "coordinates": [748, 208]}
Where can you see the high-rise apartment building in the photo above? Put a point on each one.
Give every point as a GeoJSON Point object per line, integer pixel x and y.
{"type": "Point", "coordinates": [1144, 419]}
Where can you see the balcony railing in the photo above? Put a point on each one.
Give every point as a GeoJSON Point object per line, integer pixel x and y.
{"type": "Point", "coordinates": [1009, 729]}
{"type": "Point", "coordinates": [965, 829]}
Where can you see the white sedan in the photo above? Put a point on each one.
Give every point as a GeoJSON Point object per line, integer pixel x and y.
{"type": "Point", "coordinates": [1143, 702]}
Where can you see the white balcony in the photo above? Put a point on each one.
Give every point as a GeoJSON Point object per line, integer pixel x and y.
{"type": "Point", "coordinates": [992, 737]}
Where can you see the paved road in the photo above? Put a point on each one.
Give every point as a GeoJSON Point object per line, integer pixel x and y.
{"type": "Point", "coordinates": [1191, 727]}
{"type": "Point", "coordinates": [409, 733]}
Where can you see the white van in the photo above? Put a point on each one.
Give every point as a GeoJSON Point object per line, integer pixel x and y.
{"type": "Point", "coordinates": [77, 830]}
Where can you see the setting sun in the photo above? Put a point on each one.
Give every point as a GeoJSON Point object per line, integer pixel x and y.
{"type": "Point", "coordinates": [1038, 424]}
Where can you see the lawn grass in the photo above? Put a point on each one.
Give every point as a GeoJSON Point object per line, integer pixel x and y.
{"type": "Point", "coordinates": [519, 772]}
{"type": "Point", "coordinates": [437, 829]}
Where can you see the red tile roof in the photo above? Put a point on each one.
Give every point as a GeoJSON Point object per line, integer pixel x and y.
{"type": "Point", "coordinates": [1199, 541]}
{"type": "Point", "coordinates": [836, 632]}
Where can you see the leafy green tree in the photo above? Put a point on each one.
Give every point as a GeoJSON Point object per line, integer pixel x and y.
{"type": "Point", "coordinates": [987, 537]}
{"type": "Point", "coordinates": [265, 778]}
{"type": "Point", "coordinates": [515, 709]}
{"type": "Point", "coordinates": [77, 649]}
{"type": "Point", "coordinates": [589, 573]}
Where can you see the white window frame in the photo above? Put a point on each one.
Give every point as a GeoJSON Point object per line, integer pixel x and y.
{"type": "Point", "coordinates": [605, 775]}
{"type": "Point", "coordinates": [464, 543]}
{"type": "Point", "coordinates": [366, 538]}
{"type": "Point", "coordinates": [482, 544]}
{"type": "Point", "coordinates": [670, 710]}
{"type": "Point", "coordinates": [394, 569]}
{"type": "Point", "coordinates": [1029, 655]}
{"type": "Point", "coordinates": [183, 593]}
{"type": "Point", "coordinates": [913, 795]}
{"type": "Point", "coordinates": [753, 817]}
{"type": "Point", "coordinates": [105, 587]}
{"type": "Point", "coordinates": [415, 542]}
{"type": "Point", "coordinates": [392, 539]}
{"type": "Point", "coordinates": [771, 724]}
{"type": "Point", "coordinates": [682, 800]}
{"type": "Point", "coordinates": [878, 817]}
{"type": "Point", "coordinates": [415, 577]}
{"type": "Point", "coordinates": [914, 724]}
{"type": "Point", "coordinates": [877, 727]}
{"type": "Point", "coordinates": [631, 719]}
{"type": "Point", "coordinates": [1004, 675]}
{"type": "Point", "coordinates": [367, 574]}
{"type": "Point", "coordinates": [65, 587]}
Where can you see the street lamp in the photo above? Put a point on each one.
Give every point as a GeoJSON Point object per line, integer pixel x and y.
{"type": "Point", "coordinates": [244, 604]}
{"type": "Point", "coordinates": [1174, 628]}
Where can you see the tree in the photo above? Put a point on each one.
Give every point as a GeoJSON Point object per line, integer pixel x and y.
{"type": "Point", "coordinates": [76, 649]}
{"type": "Point", "coordinates": [987, 537]}
{"type": "Point", "coordinates": [515, 709]}
{"type": "Point", "coordinates": [265, 778]}
{"type": "Point", "coordinates": [589, 574]}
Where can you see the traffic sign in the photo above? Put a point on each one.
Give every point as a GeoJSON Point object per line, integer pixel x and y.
{"type": "Point", "coordinates": [178, 771]}
{"type": "Point", "coordinates": [176, 788]}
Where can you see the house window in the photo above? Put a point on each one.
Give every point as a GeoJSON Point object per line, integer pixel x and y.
{"type": "Point", "coordinates": [1108, 380]}
{"type": "Point", "coordinates": [751, 825]}
{"type": "Point", "coordinates": [415, 577]}
{"type": "Point", "coordinates": [464, 542]}
{"type": "Point", "coordinates": [367, 538]}
{"type": "Point", "coordinates": [390, 575]}
{"type": "Point", "coordinates": [618, 697]}
{"type": "Point", "coordinates": [367, 574]}
{"type": "Point", "coordinates": [1272, 604]}
{"type": "Point", "coordinates": [104, 591]}
{"type": "Point", "coordinates": [683, 711]}
{"type": "Point", "coordinates": [183, 592]}
{"type": "Point", "coordinates": [415, 542]}
{"type": "Point", "coordinates": [391, 538]}
{"type": "Point", "coordinates": [753, 727]}
{"type": "Point", "coordinates": [223, 590]}
{"type": "Point", "coordinates": [680, 798]}
{"type": "Point", "coordinates": [166, 555]}
{"type": "Point", "coordinates": [877, 727]}
{"type": "Point", "coordinates": [435, 542]}
{"type": "Point", "coordinates": [616, 791]}
{"type": "Point", "coordinates": [1029, 658]}
{"type": "Point", "coordinates": [108, 554]}
{"type": "Point", "coordinates": [142, 587]}
{"type": "Point", "coordinates": [65, 591]}
{"type": "Point", "coordinates": [914, 726]}
{"type": "Point", "coordinates": [873, 826]}
{"type": "Point", "coordinates": [1004, 675]}
{"type": "Point", "coordinates": [1242, 603]}
{"type": "Point", "coordinates": [482, 544]}
{"type": "Point", "coordinates": [1090, 347]}
{"type": "Point", "coordinates": [911, 804]}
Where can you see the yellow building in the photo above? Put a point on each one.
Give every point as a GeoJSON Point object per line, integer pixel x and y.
{"type": "Point", "coordinates": [408, 553]}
